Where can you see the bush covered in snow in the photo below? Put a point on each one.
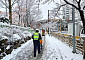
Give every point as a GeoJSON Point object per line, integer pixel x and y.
{"type": "Point", "coordinates": [11, 37]}
{"type": "Point", "coordinates": [14, 33]}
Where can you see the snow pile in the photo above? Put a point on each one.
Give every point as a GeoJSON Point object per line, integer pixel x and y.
{"type": "Point", "coordinates": [8, 47]}
{"type": "Point", "coordinates": [16, 37]}
{"type": "Point", "coordinates": [20, 51]}
{"type": "Point", "coordinates": [13, 32]}
{"type": "Point", "coordinates": [1, 23]}
{"type": "Point", "coordinates": [26, 33]}
{"type": "Point", "coordinates": [4, 37]}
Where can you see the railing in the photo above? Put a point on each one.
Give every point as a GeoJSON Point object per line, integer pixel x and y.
{"type": "Point", "coordinates": [68, 39]}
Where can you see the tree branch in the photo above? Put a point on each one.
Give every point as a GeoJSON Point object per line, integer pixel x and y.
{"type": "Point", "coordinates": [79, 1]}
{"type": "Point", "coordinates": [46, 1]}
{"type": "Point", "coordinates": [76, 1]}
{"type": "Point", "coordinates": [61, 6]}
{"type": "Point", "coordinates": [84, 7]}
{"type": "Point", "coordinates": [4, 4]}
{"type": "Point", "coordinates": [71, 4]}
{"type": "Point", "coordinates": [79, 4]}
{"type": "Point", "coordinates": [14, 2]}
{"type": "Point", "coordinates": [16, 12]}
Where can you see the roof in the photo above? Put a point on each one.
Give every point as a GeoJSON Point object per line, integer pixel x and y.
{"type": "Point", "coordinates": [43, 20]}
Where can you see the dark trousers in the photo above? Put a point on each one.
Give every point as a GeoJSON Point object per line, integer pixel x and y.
{"type": "Point", "coordinates": [41, 46]}
{"type": "Point", "coordinates": [36, 44]}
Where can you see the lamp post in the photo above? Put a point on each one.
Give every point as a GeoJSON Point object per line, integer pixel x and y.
{"type": "Point", "coordinates": [73, 18]}
{"type": "Point", "coordinates": [48, 19]}
{"type": "Point", "coordinates": [49, 14]}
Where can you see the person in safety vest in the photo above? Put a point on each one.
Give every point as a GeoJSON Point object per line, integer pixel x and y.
{"type": "Point", "coordinates": [36, 37]}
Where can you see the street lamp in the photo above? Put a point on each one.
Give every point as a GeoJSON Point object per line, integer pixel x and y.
{"type": "Point", "coordinates": [49, 14]}
{"type": "Point", "coordinates": [48, 20]}
{"type": "Point", "coordinates": [73, 18]}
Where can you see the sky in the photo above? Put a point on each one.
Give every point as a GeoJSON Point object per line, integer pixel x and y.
{"type": "Point", "coordinates": [2, 9]}
{"type": "Point", "coordinates": [44, 8]}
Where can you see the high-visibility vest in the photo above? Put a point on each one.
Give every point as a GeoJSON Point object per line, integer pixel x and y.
{"type": "Point", "coordinates": [36, 36]}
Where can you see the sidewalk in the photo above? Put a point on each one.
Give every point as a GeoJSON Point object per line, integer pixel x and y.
{"type": "Point", "coordinates": [55, 49]}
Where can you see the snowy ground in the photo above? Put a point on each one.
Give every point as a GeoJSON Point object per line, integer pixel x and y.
{"type": "Point", "coordinates": [53, 50]}
{"type": "Point", "coordinates": [56, 50]}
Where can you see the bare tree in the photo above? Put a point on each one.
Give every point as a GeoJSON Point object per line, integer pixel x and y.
{"type": "Point", "coordinates": [3, 5]}
{"type": "Point", "coordinates": [28, 4]}
{"type": "Point", "coordinates": [32, 12]}
{"type": "Point", "coordinates": [8, 4]}
{"type": "Point", "coordinates": [30, 8]}
{"type": "Point", "coordinates": [80, 9]}
{"type": "Point", "coordinates": [18, 8]}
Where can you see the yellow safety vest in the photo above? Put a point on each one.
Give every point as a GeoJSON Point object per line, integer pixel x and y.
{"type": "Point", "coordinates": [36, 36]}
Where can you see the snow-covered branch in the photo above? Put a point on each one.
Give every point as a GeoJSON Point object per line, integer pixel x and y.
{"type": "Point", "coordinates": [4, 2]}
{"type": "Point", "coordinates": [14, 2]}
{"type": "Point", "coordinates": [71, 4]}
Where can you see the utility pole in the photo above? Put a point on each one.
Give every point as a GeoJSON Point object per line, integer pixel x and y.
{"type": "Point", "coordinates": [73, 18]}
{"type": "Point", "coordinates": [60, 26]}
{"type": "Point", "coordinates": [48, 15]}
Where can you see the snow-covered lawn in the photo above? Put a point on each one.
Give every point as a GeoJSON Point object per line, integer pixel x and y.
{"type": "Point", "coordinates": [53, 50]}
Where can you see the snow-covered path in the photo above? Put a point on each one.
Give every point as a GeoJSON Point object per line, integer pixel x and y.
{"type": "Point", "coordinates": [53, 50]}
{"type": "Point", "coordinates": [25, 52]}
{"type": "Point", "coordinates": [56, 50]}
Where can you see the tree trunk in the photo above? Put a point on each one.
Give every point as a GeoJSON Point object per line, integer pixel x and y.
{"type": "Point", "coordinates": [27, 19]}
{"type": "Point", "coordinates": [83, 19]}
{"type": "Point", "coordinates": [10, 12]}
{"type": "Point", "coordinates": [27, 13]}
{"type": "Point", "coordinates": [19, 19]}
{"type": "Point", "coordinates": [6, 8]}
{"type": "Point", "coordinates": [19, 15]}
